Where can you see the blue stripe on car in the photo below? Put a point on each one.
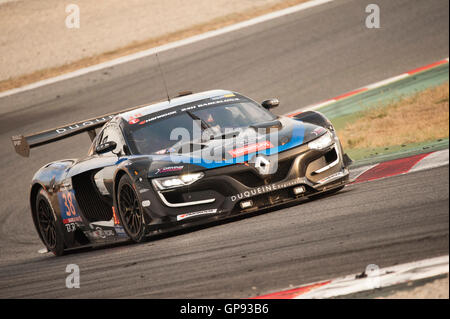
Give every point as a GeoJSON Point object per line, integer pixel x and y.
{"type": "Point", "coordinates": [296, 140]}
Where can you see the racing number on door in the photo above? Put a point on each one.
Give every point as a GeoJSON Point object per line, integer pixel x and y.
{"type": "Point", "coordinates": [68, 202]}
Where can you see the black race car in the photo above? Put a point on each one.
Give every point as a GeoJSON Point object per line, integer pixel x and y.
{"type": "Point", "coordinates": [195, 158]}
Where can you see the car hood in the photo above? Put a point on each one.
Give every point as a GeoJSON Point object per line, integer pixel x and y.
{"type": "Point", "coordinates": [217, 153]}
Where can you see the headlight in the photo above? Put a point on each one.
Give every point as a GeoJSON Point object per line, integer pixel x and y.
{"type": "Point", "coordinates": [321, 142]}
{"type": "Point", "coordinates": [176, 181]}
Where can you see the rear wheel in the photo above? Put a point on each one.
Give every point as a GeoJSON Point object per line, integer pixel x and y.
{"type": "Point", "coordinates": [130, 210]}
{"type": "Point", "coordinates": [47, 224]}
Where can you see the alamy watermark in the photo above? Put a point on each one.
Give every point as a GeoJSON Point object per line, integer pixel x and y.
{"type": "Point", "coordinates": [373, 279]}
{"type": "Point", "coordinates": [73, 279]}
{"type": "Point", "coordinates": [373, 19]}
{"type": "Point", "coordinates": [73, 18]}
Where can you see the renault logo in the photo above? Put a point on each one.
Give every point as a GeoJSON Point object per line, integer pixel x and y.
{"type": "Point", "coordinates": [263, 165]}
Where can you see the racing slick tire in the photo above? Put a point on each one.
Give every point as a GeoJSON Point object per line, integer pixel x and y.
{"type": "Point", "coordinates": [131, 214]}
{"type": "Point", "coordinates": [46, 224]}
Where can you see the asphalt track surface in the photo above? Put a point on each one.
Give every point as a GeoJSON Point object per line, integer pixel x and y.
{"type": "Point", "coordinates": [302, 58]}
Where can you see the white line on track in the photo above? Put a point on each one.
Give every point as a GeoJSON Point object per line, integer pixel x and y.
{"type": "Point", "coordinates": [366, 88]}
{"type": "Point", "coordinates": [388, 81]}
{"type": "Point", "coordinates": [318, 106]}
{"type": "Point", "coordinates": [169, 46]}
{"type": "Point", "coordinates": [379, 278]}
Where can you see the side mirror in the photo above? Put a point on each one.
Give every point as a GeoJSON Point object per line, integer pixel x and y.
{"type": "Point", "coordinates": [270, 104]}
{"type": "Point", "coordinates": [105, 147]}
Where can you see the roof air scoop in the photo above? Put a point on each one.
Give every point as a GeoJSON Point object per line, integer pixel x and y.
{"type": "Point", "coordinates": [184, 93]}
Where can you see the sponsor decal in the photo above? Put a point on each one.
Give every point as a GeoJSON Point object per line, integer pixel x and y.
{"type": "Point", "coordinates": [168, 169]}
{"type": "Point", "coordinates": [72, 220]}
{"type": "Point", "coordinates": [202, 212]}
{"type": "Point", "coordinates": [146, 111]}
{"type": "Point", "coordinates": [101, 233]}
{"type": "Point", "coordinates": [252, 148]}
{"type": "Point", "coordinates": [212, 102]}
{"type": "Point", "coordinates": [80, 125]}
{"type": "Point", "coordinates": [160, 116]}
{"type": "Point", "coordinates": [71, 227]}
{"type": "Point", "coordinates": [227, 100]}
{"type": "Point", "coordinates": [69, 207]}
{"type": "Point", "coordinates": [120, 231]}
{"type": "Point", "coordinates": [318, 131]}
{"type": "Point", "coordinates": [266, 189]}
{"type": "Point", "coordinates": [133, 117]}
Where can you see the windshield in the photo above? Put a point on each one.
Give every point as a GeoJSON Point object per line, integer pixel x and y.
{"type": "Point", "coordinates": [153, 136]}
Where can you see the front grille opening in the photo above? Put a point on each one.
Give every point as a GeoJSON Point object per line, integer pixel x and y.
{"type": "Point", "coordinates": [80, 237]}
{"type": "Point", "coordinates": [326, 159]}
{"type": "Point", "coordinates": [251, 178]}
{"type": "Point", "coordinates": [331, 156]}
{"type": "Point", "coordinates": [248, 178]}
{"type": "Point", "coordinates": [281, 173]}
{"type": "Point", "coordinates": [323, 161]}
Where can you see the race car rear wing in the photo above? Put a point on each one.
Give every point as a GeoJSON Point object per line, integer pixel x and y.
{"type": "Point", "coordinates": [23, 144]}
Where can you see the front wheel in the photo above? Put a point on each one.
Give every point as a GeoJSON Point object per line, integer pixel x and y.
{"type": "Point", "coordinates": [46, 224]}
{"type": "Point", "coordinates": [131, 213]}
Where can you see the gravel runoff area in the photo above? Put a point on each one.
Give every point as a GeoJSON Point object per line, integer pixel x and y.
{"type": "Point", "coordinates": [34, 36]}
{"type": "Point", "coordinates": [437, 289]}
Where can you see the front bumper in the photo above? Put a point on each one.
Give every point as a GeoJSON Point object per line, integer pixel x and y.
{"type": "Point", "coordinates": [220, 193]}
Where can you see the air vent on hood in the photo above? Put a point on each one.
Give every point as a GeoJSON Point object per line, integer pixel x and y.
{"type": "Point", "coordinates": [267, 125]}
